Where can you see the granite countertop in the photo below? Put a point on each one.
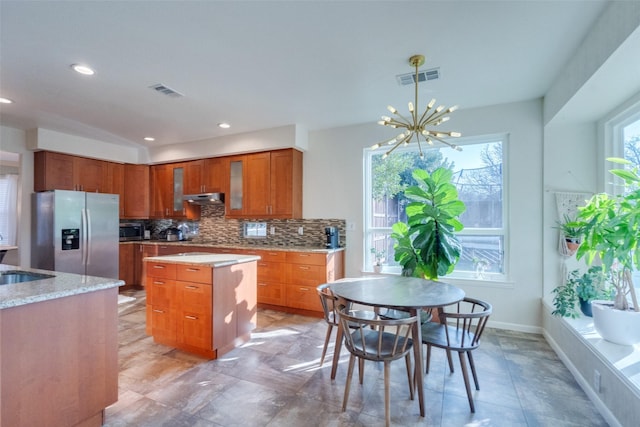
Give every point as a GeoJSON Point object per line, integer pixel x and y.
{"type": "Point", "coordinates": [188, 243]}
{"type": "Point", "coordinates": [204, 259]}
{"type": "Point", "coordinates": [62, 285]}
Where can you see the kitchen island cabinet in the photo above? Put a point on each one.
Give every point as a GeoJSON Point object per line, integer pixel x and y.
{"type": "Point", "coordinates": [58, 350]}
{"type": "Point", "coordinates": [201, 303]}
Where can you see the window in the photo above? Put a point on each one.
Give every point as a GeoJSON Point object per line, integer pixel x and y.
{"type": "Point", "coordinates": [479, 178]}
{"type": "Point", "coordinates": [8, 209]}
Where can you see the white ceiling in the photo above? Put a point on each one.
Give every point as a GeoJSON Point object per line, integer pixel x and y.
{"type": "Point", "coordinates": [264, 64]}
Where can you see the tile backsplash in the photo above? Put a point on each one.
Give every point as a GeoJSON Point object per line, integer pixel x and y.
{"type": "Point", "coordinates": [214, 228]}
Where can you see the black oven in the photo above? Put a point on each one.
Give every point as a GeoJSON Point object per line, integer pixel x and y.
{"type": "Point", "coordinates": [131, 231]}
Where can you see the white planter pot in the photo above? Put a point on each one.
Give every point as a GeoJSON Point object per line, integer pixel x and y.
{"type": "Point", "coordinates": [377, 268]}
{"type": "Point", "coordinates": [616, 326]}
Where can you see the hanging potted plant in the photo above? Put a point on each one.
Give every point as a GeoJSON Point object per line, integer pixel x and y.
{"type": "Point", "coordinates": [427, 246]}
{"type": "Point", "coordinates": [571, 231]}
{"type": "Point", "coordinates": [611, 226]}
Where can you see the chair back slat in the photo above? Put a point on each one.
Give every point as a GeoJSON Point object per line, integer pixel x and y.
{"type": "Point", "coordinates": [470, 318]}
{"type": "Point", "coordinates": [376, 339]}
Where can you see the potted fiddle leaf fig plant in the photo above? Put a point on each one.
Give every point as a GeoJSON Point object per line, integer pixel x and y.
{"type": "Point", "coordinates": [427, 246]}
{"type": "Point", "coordinates": [611, 237]}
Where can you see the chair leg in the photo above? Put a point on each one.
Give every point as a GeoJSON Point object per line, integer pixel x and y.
{"type": "Point", "coordinates": [387, 393]}
{"type": "Point", "coordinates": [450, 361]}
{"type": "Point", "coordinates": [326, 343]}
{"type": "Point", "coordinates": [428, 362]}
{"type": "Point", "coordinates": [361, 370]}
{"type": "Point", "coordinates": [465, 374]}
{"type": "Point", "coordinates": [347, 385]}
{"type": "Point", "coordinates": [473, 370]}
{"type": "Point", "coordinates": [407, 359]}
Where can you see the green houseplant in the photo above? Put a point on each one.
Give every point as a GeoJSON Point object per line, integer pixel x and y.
{"type": "Point", "coordinates": [579, 290]}
{"type": "Point", "coordinates": [427, 246]}
{"type": "Point", "coordinates": [378, 259]}
{"type": "Point", "coordinates": [572, 232]}
{"type": "Point", "coordinates": [611, 235]}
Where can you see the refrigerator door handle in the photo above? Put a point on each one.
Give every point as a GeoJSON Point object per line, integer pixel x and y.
{"type": "Point", "coordinates": [85, 241]}
{"type": "Point", "coordinates": [88, 234]}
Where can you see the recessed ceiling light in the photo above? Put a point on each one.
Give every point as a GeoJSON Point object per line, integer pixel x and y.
{"type": "Point", "coordinates": [83, 69]}
{"type": "Point", "coordinates": [5, 101]}
{"type": "Point", "coordinates": [149, 138]}
{"type": "Point", "coordinates": [224, 125]}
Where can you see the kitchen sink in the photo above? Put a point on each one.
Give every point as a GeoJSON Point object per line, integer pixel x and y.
{"type": "Point", "coordinates": [18, 276]}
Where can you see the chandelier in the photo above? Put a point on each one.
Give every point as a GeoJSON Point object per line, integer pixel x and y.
{"type": "Point", "coordinates": [416, 126]}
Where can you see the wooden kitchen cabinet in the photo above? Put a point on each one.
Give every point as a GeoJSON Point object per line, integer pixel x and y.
{"type": "Point", "coordinates": [167, 189]}
{"type": "Point", "coordinates": [204, 176]}
{"type": "Point", "coordinates": [127, 264]}
{"type": "Point", "coordinates": [271, 185]}
{"type": "Point", "coordinates": [136, 192]}
{"type": "Point", "coordinates": [271, 276]}
{"type": "Point", "coordinates": [201, 309]}
{"type": "Point", "coordinates": [57, 171]}
{"type": "Point", "coordinates": [114, 183]}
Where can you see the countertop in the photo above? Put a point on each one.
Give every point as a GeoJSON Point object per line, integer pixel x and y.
{"type": "Point", "coordinates": [209, 260]}
{"type": "Point", "coordinates": [197, 243]}
{"type": "Point", "coordinates": [62, 285]}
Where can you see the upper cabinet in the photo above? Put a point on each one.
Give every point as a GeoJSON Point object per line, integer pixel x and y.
{"type": "Point", "coordinates": [265, 185]}
{"type": "Point", "coordinates": [204, 176]}
{"type": "Point", "coordinates": [136, 192]}
{"type": "Point", "coordinates": [55, 171]}
{"type": "Point", "coordinates": [167, 189]}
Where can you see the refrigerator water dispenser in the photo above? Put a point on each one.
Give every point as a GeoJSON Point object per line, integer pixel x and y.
{"type": "Point", "coordinates": [70, 239]}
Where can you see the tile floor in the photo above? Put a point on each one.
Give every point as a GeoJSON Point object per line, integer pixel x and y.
{"type": "Point", "coordinates": [275, 380]}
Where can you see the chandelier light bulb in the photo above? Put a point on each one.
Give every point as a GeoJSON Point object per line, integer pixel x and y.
{"type": "Point", "coordinates": [431, 104]}
{"type": "Point", "coordinates": [386, 118]}
{"type": "Point", "coordinates": [382, 122]}
{"type": "Point", "coordinates": [375, 146]}
{"type": "Point", "coordinates": [411, 107]}
{"type": "Point", "coordinates": [455, 134]}
{"type": "Point", "coordinates": [452, 109]}
{"type": "Point", "coordinates": [393, 110]}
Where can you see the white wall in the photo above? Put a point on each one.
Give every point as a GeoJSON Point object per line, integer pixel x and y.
{"type": "Point", "coordinates": [333, 188]}
{"type": "Point", "coordinates": [14, 140]}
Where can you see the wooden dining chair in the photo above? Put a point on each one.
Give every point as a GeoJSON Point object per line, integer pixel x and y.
{"type": "Point", "coordinates": [378, 340]}
{"type": "Point", "coordinates": [458, 331]}
{"type": "Point", "coordinates": [329, 308]}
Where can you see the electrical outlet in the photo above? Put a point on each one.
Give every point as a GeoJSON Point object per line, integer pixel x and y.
{"type": "Point", "coordinates": [272, 230]}
{"type": "Point", "coordinates": [300, 231]}
{"type": "Point", "coordinates": [351, 226]}
{"type": "Point", "coordinates": [596, 380]}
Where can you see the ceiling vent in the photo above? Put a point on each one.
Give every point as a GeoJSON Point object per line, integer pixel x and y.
{"type": "Point", "coordinates": [410, 78]}
{"type": "Point", "coordinates": [165, 90]}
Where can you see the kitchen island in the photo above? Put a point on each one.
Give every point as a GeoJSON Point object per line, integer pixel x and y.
{"type": "Point", "coordinates": [58, 349]}
{"type": "Point", "coordinates": [201, 303]}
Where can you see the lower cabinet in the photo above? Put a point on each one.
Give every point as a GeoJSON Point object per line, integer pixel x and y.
{"type": "Point", "coordinates": [201, 309]}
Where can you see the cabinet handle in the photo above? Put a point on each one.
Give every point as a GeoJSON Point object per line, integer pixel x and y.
{"type": "Point", "coordinates": [304, 255]}
{"type": "Point", "coordinates": [303, 267]}
{"type": "Point", "coordinates": [155, 282]}
{"type": "Point", "coordinates": [304, 289]}
{"type": "Point", "coordinates": [158, 266]}
{"type": "Point", "coordinates": [262, 284]}
{"type": "Point", "coordinates": [192, 287]}
{"type": "Point", "coordinates": [193, 269]}
{"type": "Point", "coordinates": [191, 317]}
{"type": "Point", "coordinates": [263, 264]}
{"type": "Point", "coordinates": [158, 311]}
{"type": "Point", "coordinates": [272, 254]}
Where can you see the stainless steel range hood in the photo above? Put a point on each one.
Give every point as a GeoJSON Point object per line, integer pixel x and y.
{"type": "Point", "coordinates": [204, 198]}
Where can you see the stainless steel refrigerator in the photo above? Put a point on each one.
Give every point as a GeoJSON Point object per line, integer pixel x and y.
{"type": "Point", "coordinates": [75, 232]}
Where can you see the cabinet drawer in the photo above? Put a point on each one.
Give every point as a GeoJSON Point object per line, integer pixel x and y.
{"type": "Point", "coordinates": [194, 273]}
{"type": "Point", "coordinates": [307, 258]}
{"type": "Point", "coordinates": [161, 270]}
{"type": "Point", "coordinates": [304, 297]}
{"type": "Point", "coordinates": [160, 291]}
{"type": "Point", "coordinates": [271, 271]}
{"type": "Point", "coordinates": [194, 296]}
{"type": "Point", "coordinates": [195, 329]}
{"type": "Point", "coordinates": [163, 325]}
{"type": "Point", "coordinates": [273, 256]}
{"type": "Point", "coordinates": [306, 275]}
{"type": "Point", "coordinates": [271, 293]}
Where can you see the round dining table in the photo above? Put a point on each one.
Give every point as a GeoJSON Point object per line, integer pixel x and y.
{"type": "Point", "coordinates": [397, 292]}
